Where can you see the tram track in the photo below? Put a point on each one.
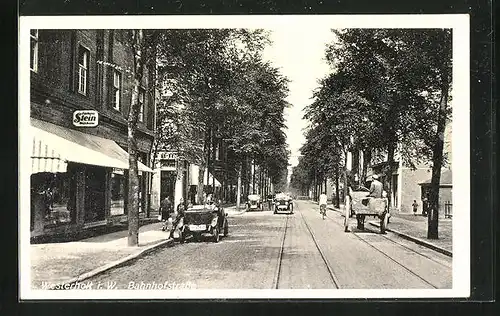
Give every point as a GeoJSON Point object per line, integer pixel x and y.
{"type": "Point", "coordinates": [391, 258]}
{"type": "Point", "coordinates": [403, 246]}
{"type": "Point", "coordinates": [282, 252]}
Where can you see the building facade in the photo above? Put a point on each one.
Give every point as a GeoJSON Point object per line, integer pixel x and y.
{"type": "Point", "coordinates": [407, 181]}
{"type": "Point", "coordinates": [79, 173]}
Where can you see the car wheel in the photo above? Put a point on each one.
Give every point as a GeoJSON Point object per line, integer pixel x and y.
{"type": "Point", "coordinates": [216, 235]}
{"type": "Point", "coordinates": [196, 237]}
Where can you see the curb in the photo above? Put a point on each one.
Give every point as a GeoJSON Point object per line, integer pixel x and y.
{"type": "Point", "coordinates": [417, 241]}
{"type": "Point", "coordinates": [120, 262]}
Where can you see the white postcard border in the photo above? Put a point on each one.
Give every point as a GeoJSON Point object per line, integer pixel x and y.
{"type": "Point", "coordinates": [460, 144]}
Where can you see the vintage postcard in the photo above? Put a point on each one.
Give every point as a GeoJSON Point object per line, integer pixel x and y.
{"type": "Point", "coordinates": [249, 157]}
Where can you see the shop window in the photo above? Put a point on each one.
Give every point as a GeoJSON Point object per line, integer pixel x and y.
{"type": "Point", "coordinates": [83, 68]}
{"type": "Point", "coordinates": [34, 50]}
{"type": "Point", "coordinates": [53, 195]}
{"type": "Point", "coordinates": [118, 183]}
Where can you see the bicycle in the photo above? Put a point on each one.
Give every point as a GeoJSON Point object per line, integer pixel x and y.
{"type": "Point", "coordinates": [322, 210]}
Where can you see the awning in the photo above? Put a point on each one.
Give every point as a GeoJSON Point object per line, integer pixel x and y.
{"type": "Point", "coordinates": [54, 146]}
{"type": "Point", "coordinates": [446, 179]}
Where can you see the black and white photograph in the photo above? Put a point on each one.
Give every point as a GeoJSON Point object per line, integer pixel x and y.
{"type": "Point", "coordinates": [274, 157]}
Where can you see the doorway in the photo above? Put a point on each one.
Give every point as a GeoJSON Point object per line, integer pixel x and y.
{"type": "Point", "coordinates": [95, 186]}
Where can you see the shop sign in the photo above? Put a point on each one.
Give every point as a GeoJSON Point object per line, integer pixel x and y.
{"type": "Point", "coordinates": [168, 155]}
{"type": "Point", "coordinates": [118, 171]}
{"type": "Point", "coordinates": [86, 118]}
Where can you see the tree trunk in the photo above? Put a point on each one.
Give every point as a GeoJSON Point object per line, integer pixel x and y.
{"type": "Point", "coordinates": [209, 152]}
{"type": "Point", "coordinates": [214, 148]}
{"type": "Point", "coordinates": [388, 171]}
{"type": "Point", "coordinates": [355, 164]}
{"type": "Point", "coordinates": [201, 181]}
{"type": "Point", "coordinates": [238, 189]}
{"type": "Point", "coordinates": [253, 176]}
{"type": "Point", "coordinates": [367, 157]}
{"type": "Point", "coordinates": [133, 117]}
{"type": "Point", "coordinates": [337, 188]}
{"type": "Point", "coordinates": [437, 162]}
{"type": "Point", "coordinates": [346, 183]}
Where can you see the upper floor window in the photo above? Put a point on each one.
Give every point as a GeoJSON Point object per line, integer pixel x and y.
{"type": "Point", "coordinates": [83, 65]}
{"type": "Point", "coordinates": [117, 81]}
{"type": "Point", "coordinates": [34, 50]}
{"type": "Point", "coordinates": [141, 104]}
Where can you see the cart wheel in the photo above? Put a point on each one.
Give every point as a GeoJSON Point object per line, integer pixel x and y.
{"type": "Point", "coordinates": [226, 229]}
{"type": "Point", "coordinates": [216, 235]}
{"type": "Point", "coordinates": [383, 223]}
{"type": "Point", "coordinates": [361, 222]}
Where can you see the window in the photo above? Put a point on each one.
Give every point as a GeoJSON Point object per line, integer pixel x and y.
{"type": "Point", "coordinates": [34, 50]}
{"type": "Point", "coordinates": [117, 80]}
{"type": "Point", "coordinates": [141, 104]}
{"type": "Point", "coordinates": [117, 192]}
{"type": "Point", "coordinates": [83, 64]}
{"type": "Point", "coordinates": [53, 198]}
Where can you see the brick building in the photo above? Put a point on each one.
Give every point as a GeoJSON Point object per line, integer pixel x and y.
{"type": "Point", "coordinates": [79, 174]}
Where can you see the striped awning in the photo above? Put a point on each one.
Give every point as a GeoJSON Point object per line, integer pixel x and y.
{"type": "Point", "coordinates": [54, 146]}
{"type": "Point", "coordinates": [45, 158]}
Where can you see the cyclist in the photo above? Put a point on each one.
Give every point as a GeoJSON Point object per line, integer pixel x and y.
{"type": "Point", "coordinates": [322, 203]}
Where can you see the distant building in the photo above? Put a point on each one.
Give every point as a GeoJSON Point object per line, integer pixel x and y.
{"type": "Point", "coordinates": [407, 180]}
{"type": "Point", "coordinates": [79, 173]}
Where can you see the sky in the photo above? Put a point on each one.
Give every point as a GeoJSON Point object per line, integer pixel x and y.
{"type": "Point", "coordinates": [299, 53]}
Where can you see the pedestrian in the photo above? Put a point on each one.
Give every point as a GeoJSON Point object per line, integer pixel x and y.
{"type": "Point", "coordinates": [166, 209]}
{"type": "Point", "coordinates": [415, 206]}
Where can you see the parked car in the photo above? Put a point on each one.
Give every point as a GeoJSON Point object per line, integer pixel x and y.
{"type": "Point", "coordinates": [254, 203]}
{"type": "Point", "coordinates": [283, 203]}
{"type": "Point", "coordinates": [205, 220]}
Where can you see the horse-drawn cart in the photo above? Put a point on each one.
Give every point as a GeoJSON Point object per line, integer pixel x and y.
{"type": "Point", "coordinates": [359, 204]}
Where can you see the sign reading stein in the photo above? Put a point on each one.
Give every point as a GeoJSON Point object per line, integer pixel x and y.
{"type": "Point", "coordinates": [85, 118]}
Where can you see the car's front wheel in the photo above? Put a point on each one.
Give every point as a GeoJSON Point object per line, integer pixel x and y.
{"type": "Point", "coordinates": [216, 234]}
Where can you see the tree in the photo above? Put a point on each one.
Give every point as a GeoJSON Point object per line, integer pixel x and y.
{"type": "Point", "coordinates": [388, 87]}
{"type": "Point", "coordinates": [137, 45]}
{"type": "Point", "coordinates": [227, 93]}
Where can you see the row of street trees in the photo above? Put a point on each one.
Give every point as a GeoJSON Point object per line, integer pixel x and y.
{"type": "Point", "coordinates": [216, 91]}
{"type": "Point", "coordinates": [388, 92]}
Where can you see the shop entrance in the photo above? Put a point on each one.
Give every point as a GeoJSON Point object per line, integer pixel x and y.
{"type": "Point", "coordinates": [167, 186]}
{"type": "Point", "coordinates": [95, 188]}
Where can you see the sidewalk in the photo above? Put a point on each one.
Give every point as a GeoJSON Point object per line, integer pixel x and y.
{"type": "Point", "coordinates": [56, 263]}
{"type": "Point", "coordinates": [414, 228]}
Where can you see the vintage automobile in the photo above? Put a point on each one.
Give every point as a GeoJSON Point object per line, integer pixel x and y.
{"type": "Point", "coordinates": [254, 203]}
{"type": "Point", "coordinates": [202, 221]}
{"type": "Point", "coordinates": [359, 204]}
{"type": "Point", "coordinates": [283, 203]}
